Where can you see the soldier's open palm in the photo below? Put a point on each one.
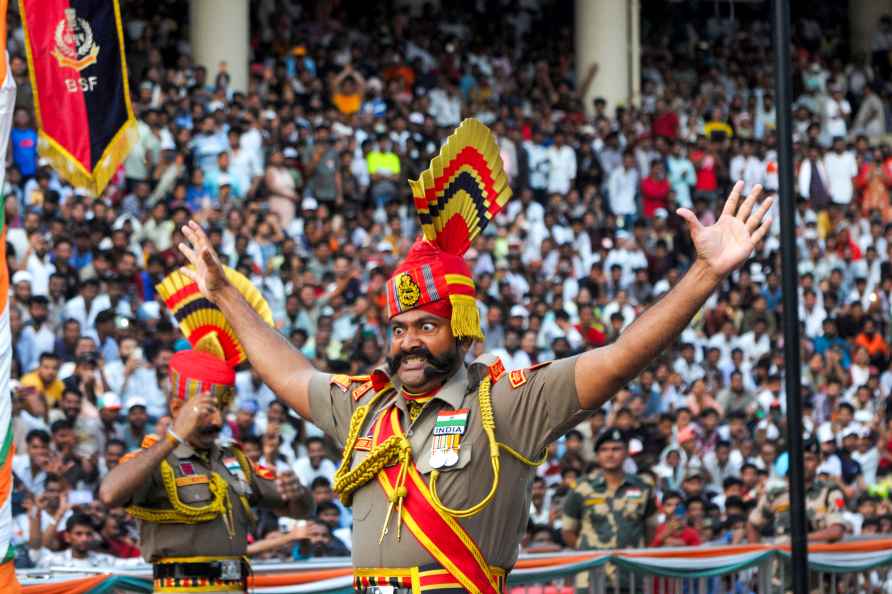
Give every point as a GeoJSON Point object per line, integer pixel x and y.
{"type": "Point", "coordinates": [206, 269]}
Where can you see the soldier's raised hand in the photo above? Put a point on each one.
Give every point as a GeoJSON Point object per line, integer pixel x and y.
{"type": "Point", "coordinates": [192, 413]}
{"type": "Point", "coordinates": [206, 269]}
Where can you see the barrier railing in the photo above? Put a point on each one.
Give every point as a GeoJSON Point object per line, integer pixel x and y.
{"type": "Point", "coordinates": [851, 567]}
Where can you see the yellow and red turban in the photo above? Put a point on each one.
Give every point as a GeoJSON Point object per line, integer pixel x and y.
{"type": "Point", "coordinates": [456, 198]}
{"type": "Point", "coordinates": [209, 366]}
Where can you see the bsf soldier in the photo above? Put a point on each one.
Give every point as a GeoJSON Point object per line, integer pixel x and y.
{"type": "Point", "coordinates": [610, 508]}
{"type": "Point", "coordinates": [439, 455]}
{"type": "Point", "coordinates": [193, 495]}
{"type": "Point", "coordinates": [824, 506]}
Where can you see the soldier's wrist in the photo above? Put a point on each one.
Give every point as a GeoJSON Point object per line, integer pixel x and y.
{"type": "Point", "coordinates": [173, 438]}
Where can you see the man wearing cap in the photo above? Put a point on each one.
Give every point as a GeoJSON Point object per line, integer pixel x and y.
{"type": "Point", "coordinates": [438, 455]}
{"type": "Point", "coordinates": [610, 508]}
{"type": "Point", "coordinates": [194, 494]}
{"type": "Point", "coordinates": [824, 505]}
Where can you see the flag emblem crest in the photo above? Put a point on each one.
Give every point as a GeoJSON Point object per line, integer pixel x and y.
{"type": "Point", "coordinates": [75, 46]}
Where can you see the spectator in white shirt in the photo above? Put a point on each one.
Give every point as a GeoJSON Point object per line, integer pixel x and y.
{"type": "Point", "coordinates": [748, 167]}
{"type": "Point", "coordinates": [686, 365]}
{"type": "Point", "coordinates": [756, 342]}
{"type": "Point", "coordinates": [314, 464]}
{"type": "Point", "coordinates": [836, 114]}
{"type": "Point", "coordinates": [812, 314]}
{"type": "Point", "coordinates": [86, 306]}
{"type": "Point", "coordinates": [37, 262]}
{"type": "Point", "coordinates": [28, 467]}
{"type": "Point", "coordinates": [539, 165]}
{"type": "Point", "coordinates": [37, 337]}
{"type": "Point", "coordinates": [841, 168]}
{"type": "Point", "coordinates": [445, 106]}
{"type": "Point", "coordinates": [562, 166]}
{"type": "Point", "coordinates": [622, 188]}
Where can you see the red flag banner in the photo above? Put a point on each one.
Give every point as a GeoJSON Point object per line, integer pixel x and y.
{"type": "Point", "coordinates": [81, 96]}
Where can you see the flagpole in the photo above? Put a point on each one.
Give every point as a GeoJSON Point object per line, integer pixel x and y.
{"type": "Point", "coordinates": [783, 103]}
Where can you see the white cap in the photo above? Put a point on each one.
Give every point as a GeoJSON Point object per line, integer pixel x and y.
{"type": "Point", "coordinates": [109, 400]}
{"type": "Point", "coordinates": [854, 429]}
{"type": "Point", "coordinates": [825, 433]}
{"type": "Point", "coordinates": [416, 118]}
{"type": "Point", "coordinates": [22, 276]}
{"type": "Point", "coordinates": [290, 152]}
{"type": "Point", "coordinates": [167, 144]}
{"type": "Point", "coordinates": [519, 311]}
{"type": "Point", "coordinates": [309, 203]}
{"type": "Point", "coordinates": [384, 246]}
{"type": "Point", "coordinates": [136, 401]}
{"type": "Point", "coordinates": [661, 213]}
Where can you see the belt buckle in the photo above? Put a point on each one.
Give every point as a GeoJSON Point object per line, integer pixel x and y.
{"type": "Point", "coordinates": [230, 569]}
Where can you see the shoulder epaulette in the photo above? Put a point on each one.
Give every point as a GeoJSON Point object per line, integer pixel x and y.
{"type": "Point", "coordinates": [344, 381]}
{"type": "Point", "coordinates": [362, 390]}
{"type": "Point", "coordinates": [496, 371]}
{"type": "Point", "coordinates": [517, 378]}
{"type": "Point", "coordinates": [265, 472]}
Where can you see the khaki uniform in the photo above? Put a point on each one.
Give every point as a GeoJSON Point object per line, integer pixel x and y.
{"type": "Point", "coordinates": [205, 541]}
{"type": "Point", "coordinates": [824, 503]}
{"type": "Point", "coordinates": [530, 408]}
{"type": "Point", "coordinates": [608, 518]}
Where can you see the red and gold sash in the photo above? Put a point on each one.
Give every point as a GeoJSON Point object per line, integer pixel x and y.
{"type": "Point", "coordinates": [440, 534]}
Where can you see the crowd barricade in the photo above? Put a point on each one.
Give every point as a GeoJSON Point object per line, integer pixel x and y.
{"type": "Point", "coordinates": [851, 567]}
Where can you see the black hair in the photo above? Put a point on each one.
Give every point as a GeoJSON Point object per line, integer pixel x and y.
{"type": "Point", "coordinates": [38, 434]}
{"type": "Point", "coordinates": [79, 519]}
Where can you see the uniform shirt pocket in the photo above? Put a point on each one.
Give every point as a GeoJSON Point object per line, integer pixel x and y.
{"type": "Point", "coordinates": [193, 494]}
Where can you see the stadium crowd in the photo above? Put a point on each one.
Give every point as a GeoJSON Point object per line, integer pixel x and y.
{"type": "Point", "coordinates": [301, 183]}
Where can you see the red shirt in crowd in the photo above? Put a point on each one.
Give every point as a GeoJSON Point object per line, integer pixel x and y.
{"type": "Point", "coordinates": [688, 535]}
{"type": "Point", "coordinates": [704, 163]}
{"type": "Point", "coordinates": [654, 194]}
{"type": "Point", "coordinates": [666, 125]}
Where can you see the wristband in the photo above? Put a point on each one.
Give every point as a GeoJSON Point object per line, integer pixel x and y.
{"type": "Point", "coordinates": [172, 435]}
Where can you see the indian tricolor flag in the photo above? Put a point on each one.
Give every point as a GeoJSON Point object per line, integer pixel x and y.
{"type": "Point", "coordinates": [451, 422]}
{"type": "Point", "coordinates": [8, 581]}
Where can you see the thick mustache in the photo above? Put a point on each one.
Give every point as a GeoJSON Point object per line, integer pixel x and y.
{"type": "Point", "coordinates": [439, 364]}
{"type": "Point", "coordinates": [211, 430]}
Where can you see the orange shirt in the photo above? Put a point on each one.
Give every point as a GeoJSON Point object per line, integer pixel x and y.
{"type": "Point", "coordinates": [347, 104]}
{"type": "Point", "coordinates": [873, 346]}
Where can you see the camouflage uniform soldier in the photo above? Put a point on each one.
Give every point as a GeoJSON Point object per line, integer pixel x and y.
{"type": "Point", "coordinates": [609, 509]}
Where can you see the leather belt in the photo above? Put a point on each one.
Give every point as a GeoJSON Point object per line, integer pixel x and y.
{"type": "Point", "coordinates": [183, 574]}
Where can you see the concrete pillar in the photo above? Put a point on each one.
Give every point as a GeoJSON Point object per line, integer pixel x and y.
{"type": "Point", "coordinates": [220, 32]}
{"type": "Point", "coordinates": [864, 18]}
{"type": "Point", "coordinates": [607, 32]}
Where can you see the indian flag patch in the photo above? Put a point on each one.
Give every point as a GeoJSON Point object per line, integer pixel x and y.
{"type": "Point", "coordinates": [451, 422]}
{"type": "Point", "coordinates": [234, 468]}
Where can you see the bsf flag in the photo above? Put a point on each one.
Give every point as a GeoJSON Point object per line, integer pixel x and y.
{"type": "Point", "coordinates": [81, 96]}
